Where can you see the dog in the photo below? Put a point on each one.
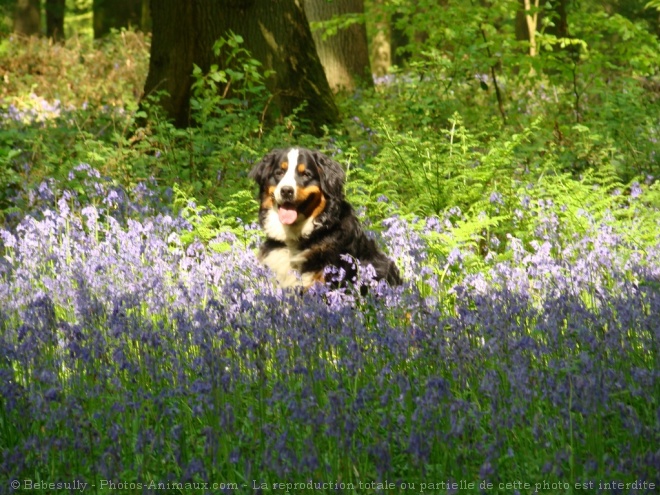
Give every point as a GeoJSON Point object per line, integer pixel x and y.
{"type": "Point", "coordinates": [308, 223]}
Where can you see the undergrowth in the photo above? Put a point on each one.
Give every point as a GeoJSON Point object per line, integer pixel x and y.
{"type": "Point", "coordinates": [484, 183]}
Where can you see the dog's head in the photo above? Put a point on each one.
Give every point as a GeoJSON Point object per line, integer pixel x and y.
{"type": "Point", "coordinates": [298, 187]}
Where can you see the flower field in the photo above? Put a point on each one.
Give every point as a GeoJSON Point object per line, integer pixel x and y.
{"type": "Point", "coordinates": [134, 360]}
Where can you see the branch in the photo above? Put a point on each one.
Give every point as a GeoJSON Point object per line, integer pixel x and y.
{"type": "Point", "coordinates": [500, 103]}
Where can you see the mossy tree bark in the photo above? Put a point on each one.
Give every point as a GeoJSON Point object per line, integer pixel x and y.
{"type": "Point", "coordinates": [275, 32]}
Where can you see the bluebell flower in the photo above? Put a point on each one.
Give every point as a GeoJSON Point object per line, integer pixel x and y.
{"type": "Point", "coordinates": [635, 190]}
{"type": "Point", "coordinates": [496, 198]}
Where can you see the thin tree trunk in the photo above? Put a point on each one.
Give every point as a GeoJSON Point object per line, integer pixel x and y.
{"type": "Point", "coordinates": [27, 18]}
{"type": "Point", "coordinates": [344, 55]}
{"type": "Point", "coordinates": [532, 21]}
{"type": "Point", "coordinates": [560, 28]}
{"type": "Point", "coordinates": [55, 19]}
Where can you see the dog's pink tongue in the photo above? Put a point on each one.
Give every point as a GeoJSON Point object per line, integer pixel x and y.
{"type": "Point", "coordinates": [287, 214]}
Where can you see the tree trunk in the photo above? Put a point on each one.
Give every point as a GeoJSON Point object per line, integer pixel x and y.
{"type": "Point", "coordinates": [559, 19]}
{"type": "Point", "coordinates": [27, 18]}
{"type": "Point", "coordinates": [398, 40]}
{"type": "Point", "coordinates": [531, 18]}
{"type": "Point", "coordinates": [55, 19]}
{"type": "Point", "coordinates": [381, 48]}
{"type": "Point", "coordinates": [117, 14]}
{"type": "Point", "coordinates": [275, 32]}
{"type": "Point", "coordinates": [560, 28]}
{"type": "Point", "coordinates": [171, 60]}
{"type": "Point", "coordinates": [344, 55]}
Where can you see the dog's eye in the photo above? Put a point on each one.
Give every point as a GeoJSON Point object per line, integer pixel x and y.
{"type": "Point", "coordinates": [279, 173]}
{"type": "Point", "coordinates": [307, 173]}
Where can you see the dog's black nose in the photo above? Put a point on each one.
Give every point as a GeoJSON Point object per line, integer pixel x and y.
{"type": "Point", "coordinates": [287, 193]}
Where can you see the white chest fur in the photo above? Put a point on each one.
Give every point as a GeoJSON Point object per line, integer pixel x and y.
{"type": "Point", "coordinates": [286, 262]}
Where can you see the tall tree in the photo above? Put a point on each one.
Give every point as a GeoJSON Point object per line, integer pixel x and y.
{"type": "Point", "coordinates": [344, 53]}
{"type": "Point", "coordinates": [55, 19]}
{"type": "Point", "coordinates": [275, 32]}
{"type": "Point", "coordinates": [109, 14]}
{"type": "Point", "coordinates": [27, 18]}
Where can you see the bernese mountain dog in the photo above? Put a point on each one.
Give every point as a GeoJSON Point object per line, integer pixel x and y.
{"type": "Point", "coordinates": [308, 223]}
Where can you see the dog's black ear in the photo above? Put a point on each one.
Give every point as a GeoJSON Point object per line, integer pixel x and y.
{"type": "Point", "coordinates": [332, 176]}
{"type": "Point", "coordinates": [260, 171]}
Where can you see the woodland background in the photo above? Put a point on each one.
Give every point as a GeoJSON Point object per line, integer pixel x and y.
{"type": "Point", "coordinates": [574, 82]}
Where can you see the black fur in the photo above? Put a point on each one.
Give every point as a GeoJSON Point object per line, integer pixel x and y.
{"type": "Point", "coordinates": [317, 241]}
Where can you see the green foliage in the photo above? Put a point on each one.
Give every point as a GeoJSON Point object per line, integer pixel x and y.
{"type": "Point", "coordinates": [434, 171]}
{"type": "Point", "coordinates": [599, 76]}
{"type": "Point", "coordinates": [111, 72]}
{"type": "Point", "coordinates": [209, 221]}
{"type": "Point", "coordinates": [486, 195]}
{"type": "Point", "coordinates": [332, 26]}
{"type": "Point", "coordinates": [61, 105]}
{"type": "Point", "coordinates": [6, 17]}
{"type": "Point", "coordinates": [224, 97]}
{"type": "Point", "coordinates": [79, 19]}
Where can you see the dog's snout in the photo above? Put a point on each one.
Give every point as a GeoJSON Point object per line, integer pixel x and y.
{"type": "Point", "coordinates": [287, 193]}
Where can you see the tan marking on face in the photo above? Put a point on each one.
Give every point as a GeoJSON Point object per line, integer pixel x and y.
{"type": "Point", "coordinates": [301, 168]}
{"type": "Point", "coordinates": [319, 208]}
{"type": "Point", "coordinates": [284, 165]}
{"type": "Point", "coordinates": [267, 198]}
{"type": "Point", "coordinates": [314, 199]}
